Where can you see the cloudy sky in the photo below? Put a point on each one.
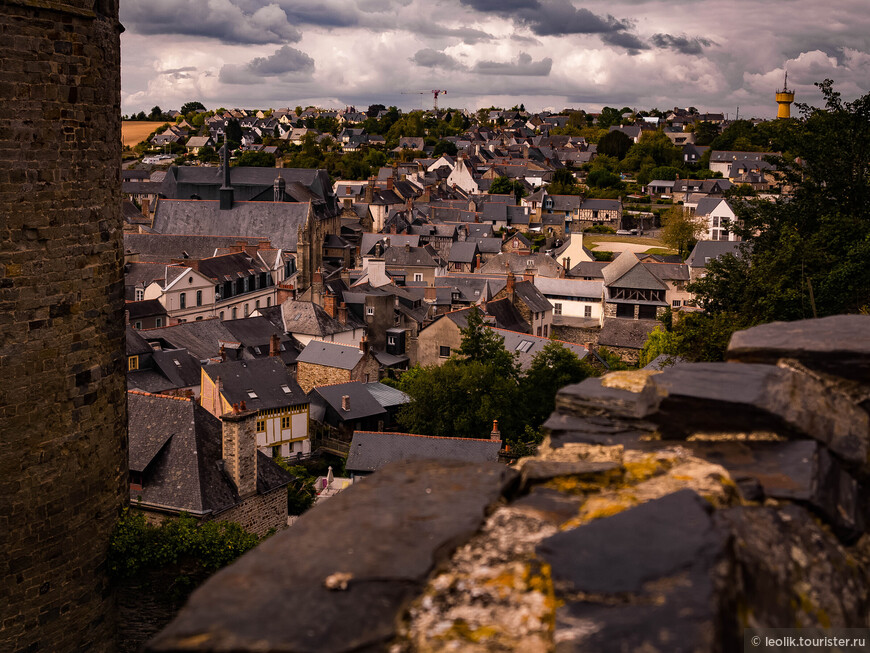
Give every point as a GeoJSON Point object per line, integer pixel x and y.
{"type": "Point", "coordinates": [715, 55]}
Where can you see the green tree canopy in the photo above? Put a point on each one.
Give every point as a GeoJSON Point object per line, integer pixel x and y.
{"type": "Point", "coordinates": [192, 107]}
{"type": "Point", "coordinates": [552, 368]}
{"type": "Point", "coordinates": [256, 160]}
{"type": "Point", "coordinates": [680, 231]}
{"type": "Point", "coordinates": [806, 253]}
{"type": "Point", "coordinates": [615, 143]}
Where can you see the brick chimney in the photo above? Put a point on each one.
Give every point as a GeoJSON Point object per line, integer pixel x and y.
{"type": "Point", "coordinates": [329, 304]}
{"type": "Point", "coordinates": [223, 353]}
{"type": "Point", "coordinates": [345, 403]}
{"type": "Point", "coordinates": [239, 445]}
{"type": "Point", "coordinates": [342, 313]}
{"type": "Point", "coordinates": [529, 275]}
{"type": "Point", "coordinates": [389, 183]}
{"type": "Point", "coordinates": [430, 294]}
{"type": "Point", "coordinates": [511, 285]}
{"type": "Point", "coordinates": [146, 206]}
{"type": "Point", "coordinates": [477, 261]}
{"type": "Point", "coordinates": [274, 345]}
{"type": "Point", "coordinates": [495, 436]}
{"type": "Point", "coordinates": [370, 191]}
{"type": "Point", "coordinates": [284, 292]}
{"type": "Point", "coordinates": [364, 345]}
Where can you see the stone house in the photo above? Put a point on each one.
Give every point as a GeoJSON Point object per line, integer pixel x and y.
{"type": "Point", "coordinates": [183, 459]}
{"type": "Point", "coordinates": [417, 264]}
{"type": "Point", "coordinates": [535, 309]}
{"type": "Point", "coordinates": [228, 286]}
{"type": "Point", "coordinates": [598, 212]}
{"type": "Point", "coordinates": [266, 386]}
{"type": "Point", "coordinates": [328, 363]}
{"type": "Point", "coordinates": [332, 322]}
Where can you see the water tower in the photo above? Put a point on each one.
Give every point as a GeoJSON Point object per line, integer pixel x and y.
{"type": "Point", "coordinates": [784, 99]}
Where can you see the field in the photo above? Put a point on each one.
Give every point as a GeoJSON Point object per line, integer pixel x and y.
{"type": "Point", "coordinates": [133, 131]}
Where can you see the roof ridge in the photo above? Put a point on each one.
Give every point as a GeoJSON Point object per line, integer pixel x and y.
{"type": "Point", "coordinates": [160, 396]}
{"type": "Point", "coordinates": [420, 435]}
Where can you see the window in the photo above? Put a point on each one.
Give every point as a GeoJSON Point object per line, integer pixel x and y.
{"type": "Point", "coordinates": [539, 332]}
{"type": "Point", "coordinates": [587, 311]}
{"type": "Point", "coordinates": [133, 363]}
{"type": "Point", "coordinates": [251, 394]}
{"type": "Point", "coordinates": [261, 425]}
{"type": "Point", "coordinates": [159, 322]}
{"type": "Point", "coordinates": [268, 301]}
{"type": "Point", "coordinates": [285, 422]}
{"type": "Point", "coordinates": [418, 276]}
{"type": "Point", "coordinates": [246, 310]}
{"type": "Point", "coordinates": [257, 304]}
{"type": "Point", "coordinates": [391, 340]}
{"type": "Point", "coordinates": [199, 298]}
{"type": "Point", "coordinates": [676, 303]}
{"type": "Point", "coordinates": [140, 294]}
{"type": "Point", "coordinates": [444, 351]}
{"type": "Point", "coordinates": [370, 310]}
{"type": "Point", "coordinates": [276, 451]}
{"type": "Point", "coordinates": [285, 388]}
{"type": "Point", "coordinates": [221, 314]}
{"type": "Point", "coordinates": [525, 346]}
{"type": "Point", "coordinates": [182, 300]}
{"type": "Point", "coordinates": [137, 325]}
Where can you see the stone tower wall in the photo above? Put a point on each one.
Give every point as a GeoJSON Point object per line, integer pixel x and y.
{"type": "Point", "coordinates": [63, 446]}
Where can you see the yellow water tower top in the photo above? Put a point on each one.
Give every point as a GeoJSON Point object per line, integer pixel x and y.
{"type": "Point", "coordinates": [784, 98]}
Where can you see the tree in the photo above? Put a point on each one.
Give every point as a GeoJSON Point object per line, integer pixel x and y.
{"type": "Point", "coordinates": [654, 149]}
{"type": "Point", "coordinates": [301, 492]}
{"type": "Point", "coordinates": [609, 116]}
{"type": "Point", "coordinates": [680, 230]}
{"type": "Point", "coordinates": [234, 131]}
{"type": "Point", "coordinates": [444, 147]}
{"type": "Point", "coordinates": [505, 186]}
{"type": "Point", "coordinates": [256, 160]}
{"type": "Point", "coordinates": [615, 144]}
{"type": "Point", "coordinates": [206, 154]}
{"type": "Point", "coordinates": [564, 183]}
{"type": "Point", "coordinates": [807, 253]}
{"type": "Point", "coordinates": [601, 178]}
{"type": "Point", "coordinates": [482, 344]}
{"type": "Point", "coordinates": [705, 132]}
{"type": "Point", "coordinates": [552, 369]}
{"type": "Point", "coordinates": [192, 107]}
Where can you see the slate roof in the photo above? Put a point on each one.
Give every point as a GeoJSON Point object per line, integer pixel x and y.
{"type": "Point", "coordinates": [330, 354]}
{"type": "Point", "coordinates": [135, 343]}
{"type": "Point", "coordinates": [144, 308]}
{"type": "Point", "coordinates": [368, 242]}
{"type": "Point", "coordinates": [362, 403]}
{"type": "Point", "coordinates": [369, 451]}
{"type": "Point", "coordinates": [412, 256]}
{"type": "Point", "coordinates": [310, 319]}
{"type": "Point", "coordinates": [387, 396]}
{"type": "Point", "coordinates": [527, 346]}
{"type": "Point", "coordinates": [162, 248]}
{"type": "Point", "coordinates": [176, 445]}
{"type": "Point", "coordinates": [265, 378]}
{"type": "Point", "coordinates": [532, 297]}
{"type": "Point", "coordinates": [601, 205]}
{"type": "Point", "coordinates": [593, 269]}
{"type": "Point", "coordinates": [506, 315]}
{"type": "Point", "coordinates": [463, 252]}
{"type": "Point", "coordinates": [228, 267]}
{"type": "Point", "coordinates": [707, 205]}
{"type": "Point", "coordinates": [569, 287]}
{"type": "Point", "coordinates": [201, 338]}
{"type": "Point", "coordinates": [707, 250]}
{"type": "Point", "coordinates": [623, 332]}
{"type": "Point", "coordinates": [278, 221]}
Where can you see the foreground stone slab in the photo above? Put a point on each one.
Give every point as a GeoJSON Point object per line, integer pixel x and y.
{"type": "Point", "coordinates": [727, 398]}
{"type": "Point", "coordinates": [839, 345]}
{"type": "Point", "coordinates": [341, 577]}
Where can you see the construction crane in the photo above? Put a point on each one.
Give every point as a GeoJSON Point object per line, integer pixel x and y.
{"type": "Point", "coordinates": [435, 93]}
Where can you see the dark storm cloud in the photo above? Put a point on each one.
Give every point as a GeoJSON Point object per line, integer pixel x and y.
{"type": "Point", "coordinates": [429, 58]}
{"type": "Point", "coordinates": [323, 14]}
{"type": "Point", "coordinates": [561, 18]}
{"type": "Point", "coordinates": [522, 66]}
{"type": "Point", "coordinates": [286, 63]}
{"type": "Point", "coordinates": [217, 19]}
{"type": "Point", "coordinates": [682, 44]}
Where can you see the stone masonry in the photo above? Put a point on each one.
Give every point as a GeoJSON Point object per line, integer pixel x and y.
{"type": "Point", "coordinates": [680, 510]}
{"type": "Point", "coordinates": [63, 459]}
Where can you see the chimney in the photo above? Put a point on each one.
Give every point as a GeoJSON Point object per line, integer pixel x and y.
{"type": "Point", "coordinates": [407, 247]}
{"type": "Point", "coordinates": [317, 286]}
{"type": "Point", "coordinates": [511, 285]}
{"type": "Point", "coordinates": [345, 275]}
{"type": "Point", "coordinates": [146, 205]}
{"type": "Point", "coordinates": [477, 262]}
{"type": "Point", "coordinates": [364, 345]}
{"type": "Point", "coordinates": [495, 436]}
{"type": "Point", "coordinates": [370, 191]}
{"type": "Point", "coordinates": [226, 191]}
{"type": "Point", "coordinates": [223, 353]}
{"type": "Point", "coordinates": [329, 304]}
{"type": "Point", "coordinates": [342, 313]}
{"type": "Point", "coordinates": [284, 292]}
{"type": "Point", "coordinates": [239, 445]}
{"type": "Point", "coordinates": [529, 275]}
{"type": "Point", "coordinates": [126, 317]}
{"type": "Point", "coordinates": [274, 345]}
{"type": "Point", "coordinates": [345, 403]}
{"type": "Point", "coordinates": [430, 294]}
{"type": "Point", "coordinates": [264, 243]}
{"type": "Point", "coordinates": [389, 183]}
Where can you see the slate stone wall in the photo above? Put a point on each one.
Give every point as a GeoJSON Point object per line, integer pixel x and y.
{"type": "Point", "coordinates": [310, 375]}
{"type": "Point", "coordinates": [63, 451]}
{"type": "Point", "coordinates": [260, 513]}
{"type": "Point", "coordinates": [664, 511]}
